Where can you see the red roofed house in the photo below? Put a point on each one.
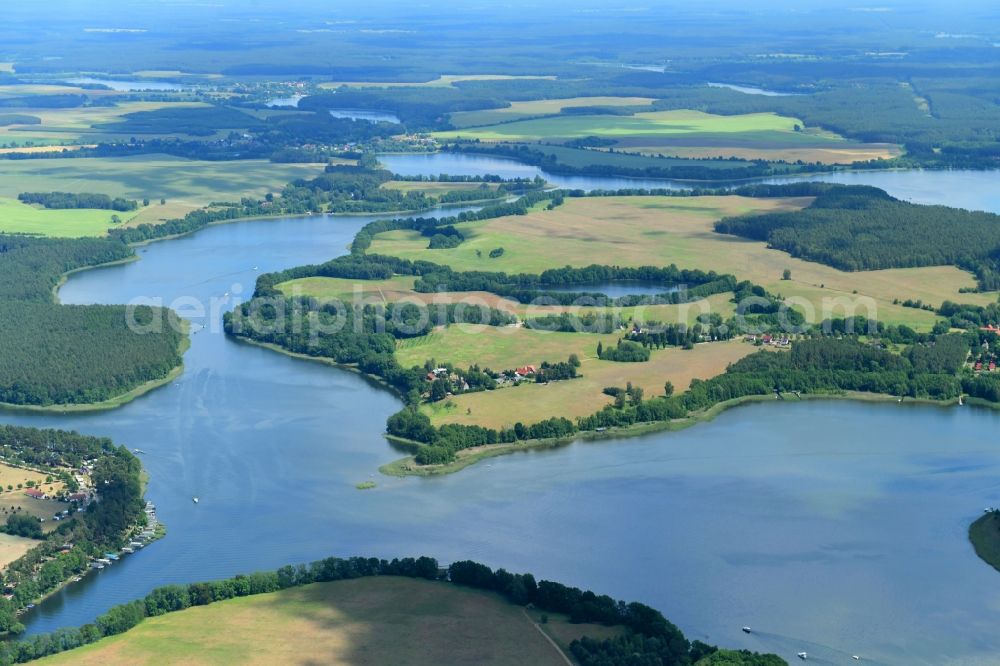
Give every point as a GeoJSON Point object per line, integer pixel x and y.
{"type": "Point", "coordinates": [526, 370]}
{"type": "Point", "coordinates": [37, 494]}
{"type": "Point", "coordinates": [78, 497]}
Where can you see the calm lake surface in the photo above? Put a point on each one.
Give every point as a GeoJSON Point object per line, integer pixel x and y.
{"type": "Point", "coordinates": [126, 85]}
{"type": "Point", "coordinates": [832, 527]}
{"type": "Point", "coordinates": [454, 164]}
{"type": "Point", "coordinates": [615, 289]}
{"type": "Point", "coordinates": [750, 90]}
{"type": "Point", "coordinates": [362, 114]}
{"type": "Point", "coordinates": [292, 101]}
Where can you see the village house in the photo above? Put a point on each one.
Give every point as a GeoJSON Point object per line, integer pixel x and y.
{"type": "Point", "coordinates": [37, 494]}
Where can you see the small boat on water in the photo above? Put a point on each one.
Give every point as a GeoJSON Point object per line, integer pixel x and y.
{"type": "Point", "coordinates": [746, 630]}
{"type": "Point", "coordinates": [77, 579]}
{"type": "Point", "coordinates": [137, 451]}
{"type": "Point", "coordinates": [194, 499]}
{"type": "Point", "coordinates": [803, 655]}
{"type": "Point", "coordinates": [128, 549]}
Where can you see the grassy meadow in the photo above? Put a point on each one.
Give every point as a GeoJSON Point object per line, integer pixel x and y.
{"type": "Point", "coordinates": [383, 620]}
{"type": "Point", "coordinates": [13, 547]}
{"type": "Point", "coordinates": [20, 218]}
{"type": "Point", "coordinates": [530, 402]}
{"type": "Point", "coordinates": [541, 107]}
{"type": "Point", "coordinates": [683, 133]}
{"type": "Point", "coordinates": [635, 231]}
{"type": "Point", "coordinates": [401, 287]}
{"type": "Point", "coordinates": [651, 124]}
{"type": "Point", "coordinates": [75, 125]}
{"type": "Point", "coordinates": [185, 184]}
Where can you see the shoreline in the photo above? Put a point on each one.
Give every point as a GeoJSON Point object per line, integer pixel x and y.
{"type": "Point", "coordinates": [373, 379]}
{"type": "Point", "coordinates": [984, 536]}
{"type": "Point", "coordinates": [115, 401]}
{"type": "Point", "coordinates": [407, 467]}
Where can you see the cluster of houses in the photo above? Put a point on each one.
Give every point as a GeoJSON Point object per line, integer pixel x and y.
{"type": "Point", "coordinates": [80, 498]}
{"type": "Point", "coordinates": [986, 361]}
{"type": "Point", "coordinates": [769, 340]}
{"type": "Point", "coordinates": [516, 376]}
{"type": "Point", "coordinates": [443, 373]}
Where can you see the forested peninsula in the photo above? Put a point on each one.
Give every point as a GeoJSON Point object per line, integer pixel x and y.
{"type": "Point", "coordinates": [73, 356]}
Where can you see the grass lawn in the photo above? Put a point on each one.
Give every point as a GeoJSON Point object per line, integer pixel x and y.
{"type": "Point", "coordinates": [12, 476]}
{"type": "Point", "coordinates": [20, 218]}
{"type": "Point", "coordinates": [17, 502]}
{"type": "Point", "coordinates": [984, 534]}
{"type": "Point", "coordinates": [12, 547]}
{"type": "Point", "coordinates": [401, 287]}
{"type": "Point", "coordinates": [530, 403]}
{"type": "Point", "coordinates": [498, 348]}
{"type": "Point", "coordinates": [540, 107]}
{"type": "Point", "coordinates": [383, 620]}
{"type": "Point", "coordinates": [634, 231]}
{"type": "Point", "coordinates": [185, 184]}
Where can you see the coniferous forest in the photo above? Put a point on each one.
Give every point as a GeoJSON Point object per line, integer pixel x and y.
{"type": "Point", "coordinates": [62, 354]}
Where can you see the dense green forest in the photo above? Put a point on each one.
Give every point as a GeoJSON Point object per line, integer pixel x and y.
{"type": "Point", "coordinates": [958, 129]}
{"type": "Point", "coordinates": [59, 200]}
{"type": "Point", "coordinates": [104, 525]}
{"type": "Point", "coordinates": [862, 228]}
{"type": "Point", "coordinates": [61, 354]}
{"type": "Point", "coordinates": [650, 637]}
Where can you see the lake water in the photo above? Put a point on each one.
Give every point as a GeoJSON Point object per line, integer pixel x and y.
{"type": "Point", "coordinates": [126, 85]}
{"type": "Point", "coordinates": [750, 90]}
{"type": "Point", "coordinates": [455, 164]}
{"type": "Point", "coordinates": [974, 190]}
{"type": "Point", "coordinates": [362, 114]}
{"type": "Point", "coordinates": [832, 527]}
{"type": "Point", "coordinates": [292, 101]}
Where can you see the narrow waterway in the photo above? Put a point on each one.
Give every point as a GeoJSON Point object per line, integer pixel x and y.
{"type": "Point", "coordinates": [832, 527]}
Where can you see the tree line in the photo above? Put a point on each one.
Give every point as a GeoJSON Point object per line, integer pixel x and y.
{"type": "Point", "coordinates": [859, 227]}
{"type": "Point", "coordinates": [659, 636]}
{"type": "Point", "coordinates": [116, 475]}
{"type": "Point", "coordinates": [62, 200]}
{"type": "Point", "coordinates": [64, 354]}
